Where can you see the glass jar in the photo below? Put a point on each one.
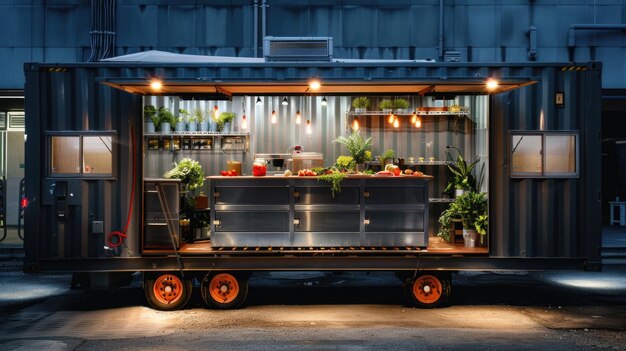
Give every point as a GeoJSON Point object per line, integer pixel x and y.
{"type": "Point", "coordinates": [259, 167]}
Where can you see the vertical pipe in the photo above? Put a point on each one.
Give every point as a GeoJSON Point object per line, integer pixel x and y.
{"type": "Point", "coordinates": [256, 28]}
{"type": "Point", "coordinates": [263, 18]}
{"type": "Point", "coordinates": [440, 29]}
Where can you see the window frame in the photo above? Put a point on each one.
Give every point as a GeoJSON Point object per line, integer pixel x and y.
{"type": "Point", "coordinates": [81, 134]}
{"type": "Point", "coordinates": [544, 134]}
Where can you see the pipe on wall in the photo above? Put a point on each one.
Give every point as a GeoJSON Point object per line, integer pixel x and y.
{"type": "Point", "coordinates": [440, 29]}
{"type": "Point", "coordinates": [532, 43]}
{"type": "Point", "coordinates": [256, 28]}
{"type": "Point", "coordinates": [571, 41]}
{"type": "Point", "coordinates": [263, 18]}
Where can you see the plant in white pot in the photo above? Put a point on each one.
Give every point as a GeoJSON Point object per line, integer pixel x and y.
{"type": "Point", "coordinates": [471, 209]}
{"type": "Point", "coordinates": [167, 119]}
{"type": "Point", "coordinates": [181, 121]}
{"type": "Point", "coordinates": [152, 121]}
{"type": "Point", "coordinates": [361, 104]}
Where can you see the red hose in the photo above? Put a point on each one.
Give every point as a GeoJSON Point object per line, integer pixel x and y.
{"type": "Point", "coordinates": [117, 234]}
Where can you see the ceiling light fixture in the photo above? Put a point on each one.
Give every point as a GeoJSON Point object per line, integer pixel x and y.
{"type": "Point", "coordinates": [285, 101]}
{"type": "Point", "coordinates": [156, 84]}
{"type": "Point", "coordinates": [259, 101]}
{"type": "Point", "coordinates": [324, 101]}
{"type": "Point", "coordinates": [492, 84]}
{"type": "Point", "coordinates": [315, 84]}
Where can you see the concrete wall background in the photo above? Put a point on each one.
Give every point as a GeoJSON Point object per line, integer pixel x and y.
{"type": "Point", "coordinates": [481, 30]}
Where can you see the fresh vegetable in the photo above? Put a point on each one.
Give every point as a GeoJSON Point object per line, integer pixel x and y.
{"type": "Point", "coordinates": [408, 171]}
{"type": "Point", "coordinates": [188, 171]}
{"type": "Point", "coordinates": [385, 173]}
{"type": "Point", "coordinates": [393, 169]}
{"type": "Point", "coordinates": [230, 173]}
{"type": "Point", "coordinates": [287, 173]}
{"type": "Point", "coordinates": [306, 173]}
{"type": "Point", "coordinates": [335, 179]}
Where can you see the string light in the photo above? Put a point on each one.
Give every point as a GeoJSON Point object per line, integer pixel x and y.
{"type": "Point", "coordinates": [308, 129]}
{"type": "Point", "coordinates": [418, 123]}
{"type": "Point", "coordinates": [274, 118]}
{"type": "Point", "coordinates": [216, 112]}
{"type": "Point", "coordinates": [392, 118]}
{"type": "Point", "coordinates": [298, 117]}
{"type": "Point", "coordinates": [414, 117]}
{"type": "Point", "coordinates": [396, 123]}
{"type": "Point", "coordinates": [355, 123]}
{"type": "Point", "coordinates": [244, 122]}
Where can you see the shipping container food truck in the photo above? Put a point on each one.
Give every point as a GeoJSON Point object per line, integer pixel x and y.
{"type": "Point", "coordinates": [111, 193]}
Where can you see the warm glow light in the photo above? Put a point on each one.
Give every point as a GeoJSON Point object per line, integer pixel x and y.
{"type": "Point", "coordinates": [418, 123]}
{"type": "Point", "coordinates": [156, 85]}
{"type": "Point", "coordinates": [285, 101]}
{"type": "Point", "coordinates": [413, 118]}
{"type": "Point", "coordinates": [355, 123]}
{"type": "Point", "coordinates": [392, 118]}
{"type": "Point", "coordinates": [308, 128]}
{"type": "Point", "coordinates": [244, 122]}
{"type": "Point", "coordinates": [396, 123]}
{"type": "Point", "coordinates": [216, 112]}
{"type": "Point", "coordinates": [324, 101]}
{"type": "Point", "coordinates": [274, 118]}
{"type": "Point", "coordinates": [298, 118]}
{"type": "Point", "coordinates": [315, 84]}
{"type": "Point", "coordinates": [492, 84]}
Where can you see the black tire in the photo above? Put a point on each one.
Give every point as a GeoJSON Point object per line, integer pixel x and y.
{"type": "Point", "coordinates": [167, 291]}
{"type": "Point", "coordinates": [224, 290]}
{"type": "Point", "coordinates": [428, 290]}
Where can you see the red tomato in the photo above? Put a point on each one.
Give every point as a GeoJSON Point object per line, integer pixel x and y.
{"type": "Point", "coordinates": [397, 171]}
{"type": "Point", "coordinates": [224, 173]}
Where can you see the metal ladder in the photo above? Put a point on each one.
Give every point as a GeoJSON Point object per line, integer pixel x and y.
{"type": "Point", "coordinates": [170, 227]}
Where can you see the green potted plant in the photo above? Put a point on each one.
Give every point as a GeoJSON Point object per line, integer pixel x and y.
{"type": "Point", "coordinates": [224, 123]}
{"type": "Point", "coordinates": [401, 105]}
{"type": "Point", "coordinates": [361, 104]}
{"type": "Point", "coordinates": [188, 171]}
{"type": "Point", "coordinates": [192, 122]}
{"type": "Point", "coordinates": [386, 105]}
{"type": "Point", "coordinates": [357, 146]}
{"type": "Point", "coordinates": [181, 121]}
{"type": "Point", "coordinates": [202, 119]}
{"type": "Point", "coordinates": [167, 119]}
{"type": "Point", "coordinates": [387, 157]}
{"type": "Point", "coordinates": [471, 209]}
{"type": "Point", "coordinates": [461, 179]}
{"type": "Point", "coordinates": [152, 121]}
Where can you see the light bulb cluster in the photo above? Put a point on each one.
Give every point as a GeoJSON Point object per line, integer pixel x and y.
{"type": "Point", "coordinates": [395, 122]}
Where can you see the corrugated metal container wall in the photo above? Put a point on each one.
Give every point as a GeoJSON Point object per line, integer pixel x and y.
{"type": "Point", "coordinates": [71, 100]}
{"type": "Point", "coordinates": [554, 217]}
{"type": "Point", "coordinates": [528, 218]}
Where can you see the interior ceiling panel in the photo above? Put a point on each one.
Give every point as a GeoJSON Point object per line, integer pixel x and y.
{"type": "Point", "coordinates": [343, 88]}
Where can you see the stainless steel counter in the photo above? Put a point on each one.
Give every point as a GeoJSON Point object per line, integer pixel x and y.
{"type": "Point", "coordinates": [301, 212]}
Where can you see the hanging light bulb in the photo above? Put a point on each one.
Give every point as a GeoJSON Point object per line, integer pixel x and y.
{"type": "Point", "coordinates": [414, 117]}
{"type": "Point", "coordinates": [396, 123]}
{"type": "Point", "coordinates": [418, 123]}
{"type": "Point", "coordinates": [216, 112]}
{"type": "Point", "coordinates": [298, 117]}
{"type": "Point", "coordinates": [308, 129]}
{"type": "Point", "coordinates": [274, 118]}
{"type": "Point", "coordinates": [285, 101]}
{"type": "Point", "coordinates": [324, 101]}
{"type": "Point", "coordinates": [392, 118]}
{"type": "Point", "coordinates": [355, 123]}
{"type": "Point", "coordinates": [244, 122]}
{"type": "Point", "coordinates": [258, 100]}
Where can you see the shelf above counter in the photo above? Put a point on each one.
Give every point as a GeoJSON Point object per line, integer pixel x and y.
{"type": "Point", "coordinates": [201, 141]}
{"type": "Point", "coordinates": [197, 134]}
{"type": "Point", "coordinates": [409, 113]}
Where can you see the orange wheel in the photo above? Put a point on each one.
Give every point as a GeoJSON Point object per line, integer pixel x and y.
{"type": "Point", "coordinates": [167, 291]}
{"type": "Point", "coordinates": [428, 290]}
{"type": "Point", "coordinates": [224, 290]}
